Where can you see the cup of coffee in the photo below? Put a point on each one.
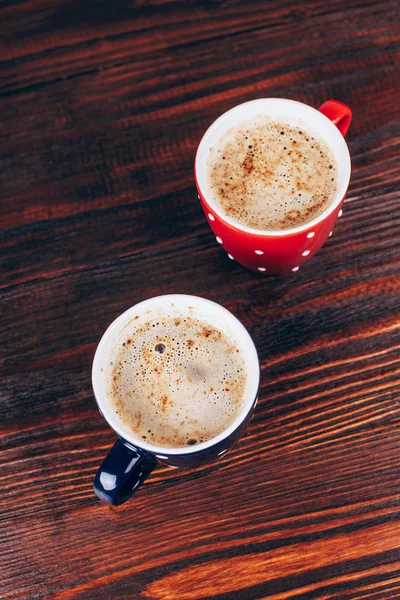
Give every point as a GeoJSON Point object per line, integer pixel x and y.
{"type": "Point", "coordinates": [271, 175]}
{"type": "Point", "coordinates": [177, 379]}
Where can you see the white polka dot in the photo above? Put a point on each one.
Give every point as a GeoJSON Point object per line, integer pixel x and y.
{"type": "Point", "coordinates": [259, 252]}
{"type": "Point", "coordinates": [198, 196]}
{"type": "Point", "coordinates": [340, 213]}
{"type": "Point", "coordinates": [211, 217]}
{"type": "Point", "coordinates": [161, 456]}
{"type": "Point", "coordinates": [330, 234]}
{"type": "Point", "coordinates": [231, 257]}
{"type": "Point", "coordinates": [311, 234]}
{"type": "Point", "coordinates": [306, 253]}
{"type": "Point", "coordinates": [218, 240]}
{"type": "Point", "coordinates": [261, 269]}
{"type": "Point", "coordinates": [295, 268]}
{"type": "Point", "coordinates": [222, 452]}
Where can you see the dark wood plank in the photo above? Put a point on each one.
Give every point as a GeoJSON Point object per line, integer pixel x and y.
{"type": "Point", "coordinates": [102, 107]}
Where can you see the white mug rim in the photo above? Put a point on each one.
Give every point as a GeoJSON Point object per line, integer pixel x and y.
{"type": "Point", "coordinates": [107, 412]}
{"type": "Point", "coordinates": [337, 199]}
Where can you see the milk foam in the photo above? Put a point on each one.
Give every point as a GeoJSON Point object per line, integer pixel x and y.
{"type": "Point", "coordinates": [174, 379]}
{"type": "Point", "coordinates": [271, 175]}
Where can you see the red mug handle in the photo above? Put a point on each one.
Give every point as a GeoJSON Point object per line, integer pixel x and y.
{"type": "Point", "coordinates": [338, 113]}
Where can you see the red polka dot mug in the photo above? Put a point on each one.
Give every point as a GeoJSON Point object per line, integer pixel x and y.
{"type": "Point", "coordinates": [283, 250]}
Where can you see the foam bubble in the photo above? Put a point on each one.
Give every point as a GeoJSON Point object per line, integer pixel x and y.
{"type": "Point", "coordinates": [175, 380]}
{"type": "Point", "coordinates": [271, 175]}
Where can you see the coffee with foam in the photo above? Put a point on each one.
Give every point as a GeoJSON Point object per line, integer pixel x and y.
{"type": "Point", "coordinates": [175, 379]}
{"type": "Point", "coordinates": [271, 175]}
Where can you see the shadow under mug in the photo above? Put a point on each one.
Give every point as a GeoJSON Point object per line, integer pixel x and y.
{"type": "Point", "coordinates": [283, 250]}
{"type": "Point", "coordinates": [132, 459]}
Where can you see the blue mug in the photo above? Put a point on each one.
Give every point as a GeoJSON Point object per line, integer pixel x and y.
{"type": "Point", "coordinates": [131, 460]}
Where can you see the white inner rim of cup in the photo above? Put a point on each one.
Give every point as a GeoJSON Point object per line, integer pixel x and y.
{"type": "Point", "coordinates": [212, 313]}
{"type": "Point", "coordinates": [288, 111]}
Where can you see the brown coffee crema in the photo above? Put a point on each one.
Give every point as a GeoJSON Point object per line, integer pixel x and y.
{"type": "Point", "coordinates": [175, 380]}
{"type": "Point", "coordinates": [271, 175]}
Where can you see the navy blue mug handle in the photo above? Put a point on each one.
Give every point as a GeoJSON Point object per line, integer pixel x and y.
{"type": "Point", "coordinates": [122, 473]}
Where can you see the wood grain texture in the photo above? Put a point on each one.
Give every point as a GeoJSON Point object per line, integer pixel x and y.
{"type": "Point", "coordinates": [102, 107]}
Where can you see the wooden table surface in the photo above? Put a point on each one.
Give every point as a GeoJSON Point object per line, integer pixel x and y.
{"type": "Point", "coordinates": [102, 106]}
